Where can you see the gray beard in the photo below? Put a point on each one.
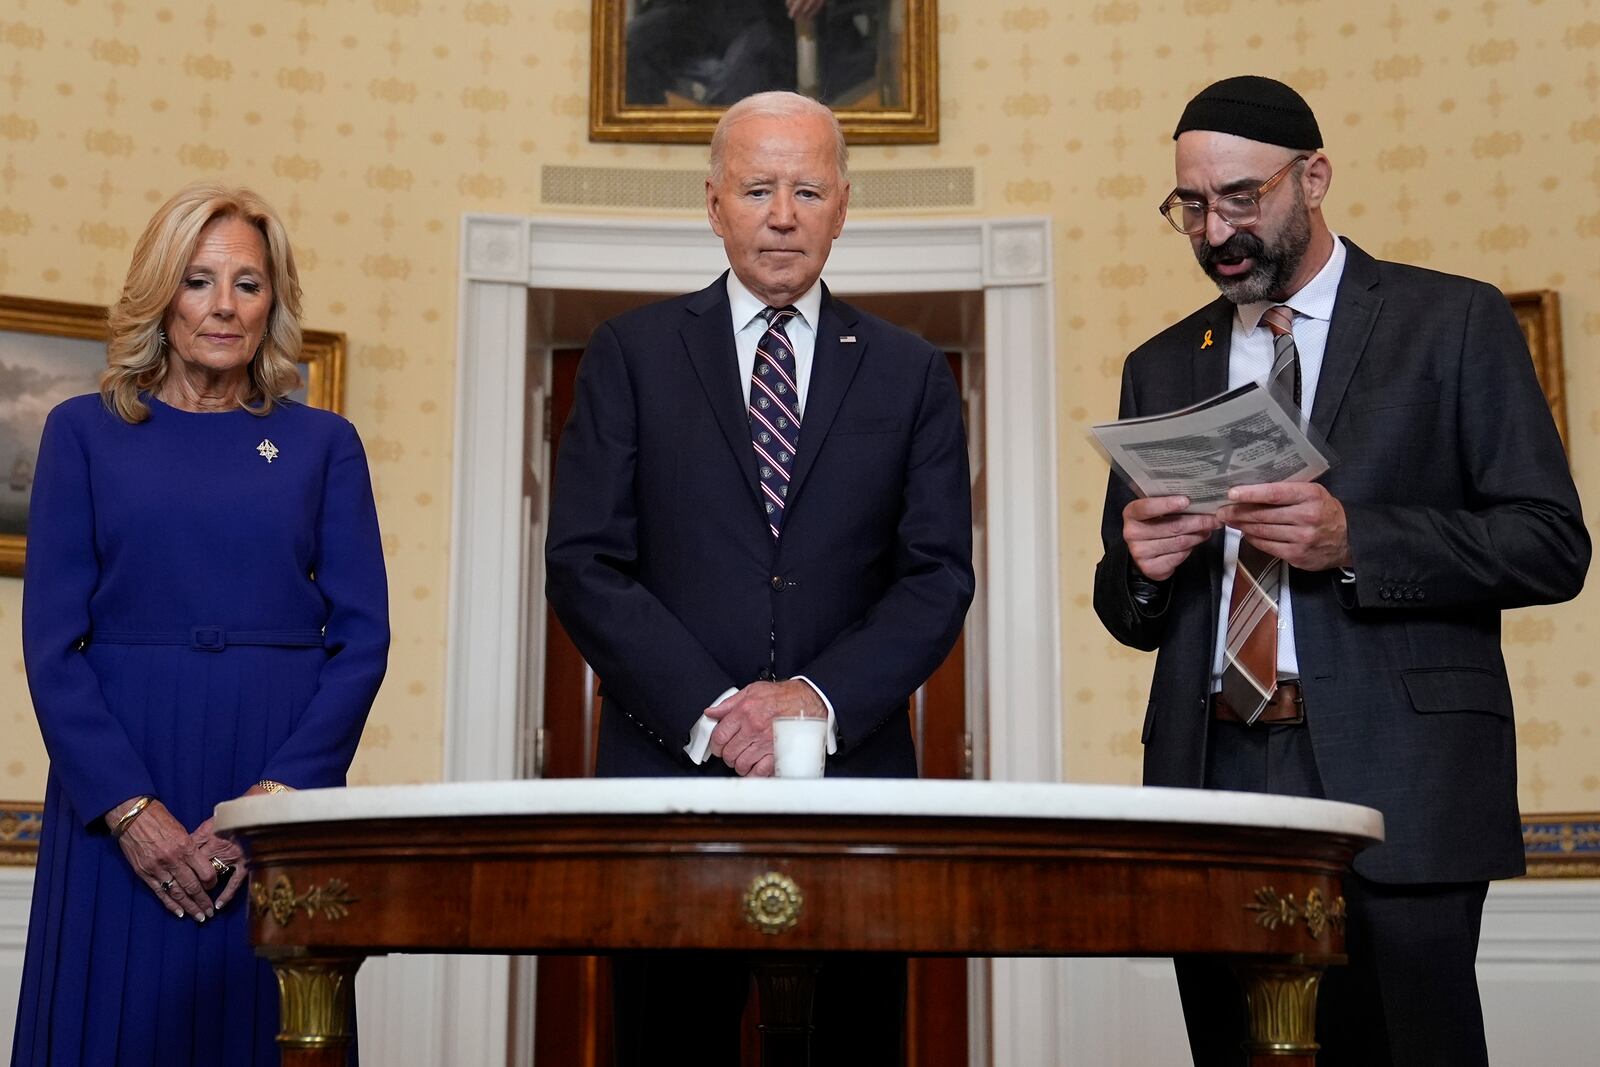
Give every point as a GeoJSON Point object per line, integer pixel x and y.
{"type": "Point", "coordinates": [1273, 268]}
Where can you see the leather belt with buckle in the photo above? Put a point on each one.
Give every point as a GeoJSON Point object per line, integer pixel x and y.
{"type": "Point", "coordinates": [1287, 706]}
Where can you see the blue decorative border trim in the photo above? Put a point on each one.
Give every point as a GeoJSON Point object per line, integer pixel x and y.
{"type": "Point", "coordinates": [20, 826]}
{"type": "Point", "coordinates": [1562, 846]}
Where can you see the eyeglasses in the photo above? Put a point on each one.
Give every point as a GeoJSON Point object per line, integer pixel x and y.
{"type": "Point", "coordinates": [1236, 209]}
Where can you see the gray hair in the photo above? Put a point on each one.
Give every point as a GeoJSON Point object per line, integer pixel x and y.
{"type": "Point", "coordinates": [777, 104]}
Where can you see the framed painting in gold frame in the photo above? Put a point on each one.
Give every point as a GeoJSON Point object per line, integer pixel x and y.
{"type": "Point", "coordinates": [51, 350]}
{"type": "Point", "coordinates": [665, 70]}
{"type": "Point", "coordinates": [1539, 314]}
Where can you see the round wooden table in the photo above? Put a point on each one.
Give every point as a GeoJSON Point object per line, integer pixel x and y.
{"type": "Point", "coordinates": [791, 870]}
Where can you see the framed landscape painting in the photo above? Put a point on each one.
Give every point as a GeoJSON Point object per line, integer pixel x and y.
{"type": "Point", "coordinates": [49, 351]}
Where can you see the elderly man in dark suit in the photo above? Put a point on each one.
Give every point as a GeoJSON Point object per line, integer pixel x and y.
{"type": "Point", "coordinates": [762, 503]}
{"type": "Point", "coordinates": [1341, 638]}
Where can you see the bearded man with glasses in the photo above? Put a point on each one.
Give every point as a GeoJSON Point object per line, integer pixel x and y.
{"type": "Point", "coordinates": [1370, 669]}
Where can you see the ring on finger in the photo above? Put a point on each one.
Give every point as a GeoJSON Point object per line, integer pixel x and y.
{"type": "Point", "coordinates": [166, 887]}
{"type": "Point", "coordinates": [221, 867]}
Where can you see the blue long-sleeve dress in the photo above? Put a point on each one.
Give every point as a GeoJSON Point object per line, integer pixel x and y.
{"type": "Point", "coordinates": [148, 546]}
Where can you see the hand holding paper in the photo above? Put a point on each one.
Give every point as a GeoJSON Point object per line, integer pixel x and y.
{"type": "Point", "coordinates": [1299, 522]}
{"type": "Point", "coordinates": [1160, 533]}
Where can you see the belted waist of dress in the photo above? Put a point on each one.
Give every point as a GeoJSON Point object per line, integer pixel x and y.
{"type": "Point", "coordinates": [210, 638]}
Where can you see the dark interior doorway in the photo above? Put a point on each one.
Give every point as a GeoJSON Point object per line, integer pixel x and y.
{"type": "Point", "coordinates": [573, 994]}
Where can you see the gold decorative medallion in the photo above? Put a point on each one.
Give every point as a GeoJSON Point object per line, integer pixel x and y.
{"type": "Point", "coordinates": [773, 903]}
{"type": "Point", "coordinates": [1317, 914]}
{"type": "Point", "coordinates": [332, 900]}
{"type": "Point", "coordinates": [1273, 911]}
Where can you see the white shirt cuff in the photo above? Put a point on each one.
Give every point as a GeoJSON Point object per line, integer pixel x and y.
{"type": "Point", "coordinates": [833, 740]}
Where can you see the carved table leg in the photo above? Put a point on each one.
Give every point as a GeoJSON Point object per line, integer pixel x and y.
{"type": "Point", "coordinates": [786, 989]}
{"type": "Point", "coordinates": [1281, 996]}
{"type": "Point", "coordinates": [316, 997]}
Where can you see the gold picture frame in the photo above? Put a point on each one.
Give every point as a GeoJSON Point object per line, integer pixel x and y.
{"type": "Point", "coordinates": [50, 350]}
{"type": "Point", "coordinates": [1538, 312]}
{"type": "Point", "coordinates": [896, 47]}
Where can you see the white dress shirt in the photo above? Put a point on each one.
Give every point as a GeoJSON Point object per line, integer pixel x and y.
{"type": "Point", "coordinates": [749, 326]}
{"type": "Point", "coordinates": [1250, 355]}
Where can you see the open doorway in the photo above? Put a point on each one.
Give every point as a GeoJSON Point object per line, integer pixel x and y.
{"type": "Point", "coordinates": [558, 726]}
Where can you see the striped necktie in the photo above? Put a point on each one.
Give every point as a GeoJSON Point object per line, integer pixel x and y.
{"type": "Point", "coordinates": [1250, 670]}
{"type": "Point", "coordinates": [775, 414]}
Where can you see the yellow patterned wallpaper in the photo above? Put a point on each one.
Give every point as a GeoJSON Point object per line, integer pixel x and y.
{"type": "Point", "coordinates": [1464, 137]}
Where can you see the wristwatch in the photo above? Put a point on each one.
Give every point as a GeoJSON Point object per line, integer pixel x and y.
{"type": "Point", "coordinates": [272, 787]}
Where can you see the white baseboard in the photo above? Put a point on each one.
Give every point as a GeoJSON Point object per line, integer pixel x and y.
{"type": "Point", "coordinates": [1538, 969]}
{"type": "Point", "coordinates": [1115, 1013]}
{"type": "Point", "coordinates": [16, 894]}
{"type": "Point", "coordinates": [398, 1016]}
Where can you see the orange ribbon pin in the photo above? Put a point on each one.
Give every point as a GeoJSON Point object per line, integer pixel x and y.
{"type": "Point", "coordinates": [1206, 343]}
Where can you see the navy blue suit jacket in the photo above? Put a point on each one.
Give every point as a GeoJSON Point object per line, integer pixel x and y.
{"type": "Point", "coordinates": [1459, 504]}
{"type": "Point", "coordinates": [660, 564]}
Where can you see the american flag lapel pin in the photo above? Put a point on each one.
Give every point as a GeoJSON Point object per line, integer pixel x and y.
{"type": "Point", "coordinates": [847, 338]}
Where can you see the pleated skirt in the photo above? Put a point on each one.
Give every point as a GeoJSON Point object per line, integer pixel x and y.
{"type": "Point", "coordinates": [111, 978]}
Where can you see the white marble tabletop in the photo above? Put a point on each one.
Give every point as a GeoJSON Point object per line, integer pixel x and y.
{"type": "Point", "coordinates": [829, 796]}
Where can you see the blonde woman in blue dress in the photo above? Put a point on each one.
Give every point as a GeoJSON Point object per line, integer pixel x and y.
{"type": "Point", "coordinates": [205, 616]}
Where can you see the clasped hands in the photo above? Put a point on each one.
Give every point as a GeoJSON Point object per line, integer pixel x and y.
{"type": "Point", "coordinates": [743, 736]}
{"type": "Point", "coordinates": [1300, 523]}
{"type": "Point", "coordinates": [176, 865]}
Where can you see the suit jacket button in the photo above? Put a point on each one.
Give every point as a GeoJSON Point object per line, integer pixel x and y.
{"type": "Point", "coordinates": [777, 582]}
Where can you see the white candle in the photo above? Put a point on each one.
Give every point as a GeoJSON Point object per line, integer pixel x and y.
{"type": "Point", "coordinates": [799, 745]}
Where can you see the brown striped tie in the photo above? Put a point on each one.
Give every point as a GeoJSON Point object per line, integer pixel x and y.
{"type": "Point", "coordinates": [1250, 666]}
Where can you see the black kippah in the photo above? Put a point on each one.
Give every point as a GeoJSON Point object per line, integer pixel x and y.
{"type": "Point", "coordinates": [1255, 108]}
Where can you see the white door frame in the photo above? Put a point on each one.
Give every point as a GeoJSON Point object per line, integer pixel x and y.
{"type": "Point", "coordinates": [1009, 260]}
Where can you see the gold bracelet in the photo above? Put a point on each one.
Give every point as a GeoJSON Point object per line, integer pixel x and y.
{"type": "Point", "coordinates": [131, 814]}
{"type": "Point", "coordinates": [272, 787]}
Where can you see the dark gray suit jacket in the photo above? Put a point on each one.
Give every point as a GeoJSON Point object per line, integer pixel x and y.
{"type": "Point", "coordinates": [1459, 504]}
